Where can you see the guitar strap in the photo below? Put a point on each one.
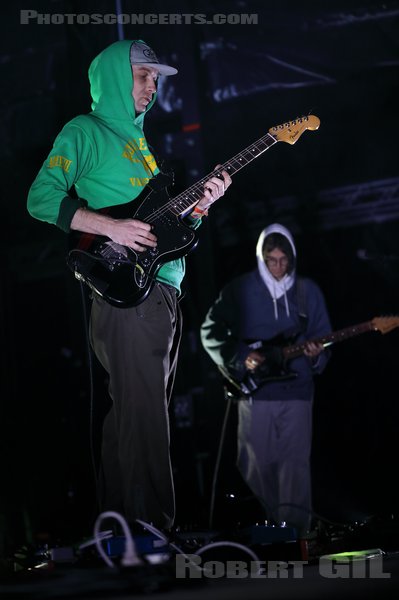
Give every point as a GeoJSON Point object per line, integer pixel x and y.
{"type": "Point", "coordinates": [162, 164]}
{"type": "Point", "coordinates": [301, 299]}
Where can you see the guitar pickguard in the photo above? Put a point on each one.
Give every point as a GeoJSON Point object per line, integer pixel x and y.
{"type": "Point", "coordinates": [123, 276]}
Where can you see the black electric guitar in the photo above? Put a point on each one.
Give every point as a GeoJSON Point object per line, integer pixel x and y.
{"type": "Point", "coordinates": [123, 277]}
{"type": "Point", "coordinates": [277, 356]}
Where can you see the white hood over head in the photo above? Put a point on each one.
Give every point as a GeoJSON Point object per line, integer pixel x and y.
{"type": "Point", "coordinates": [276, 288]}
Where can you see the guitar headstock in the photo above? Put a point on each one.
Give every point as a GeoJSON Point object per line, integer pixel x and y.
{"type": "Point", "coordinates": [385, 324]}
{"type": "Point", "coordinates": [291, 132]}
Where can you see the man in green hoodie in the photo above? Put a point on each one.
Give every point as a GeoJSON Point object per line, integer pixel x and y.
{"type": "Point", "coordinates": [104, 157]}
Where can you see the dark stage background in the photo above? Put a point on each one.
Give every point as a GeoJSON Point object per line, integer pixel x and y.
{"type": "Point", "coordinates": [336, 189]}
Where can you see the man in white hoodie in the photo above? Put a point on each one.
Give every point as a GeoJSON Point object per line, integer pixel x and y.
{"type": "Point", "coordinates": [254, 317]}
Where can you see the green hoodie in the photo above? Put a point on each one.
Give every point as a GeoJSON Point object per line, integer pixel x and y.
{"type": "Point", "coordinates": [103, 154]}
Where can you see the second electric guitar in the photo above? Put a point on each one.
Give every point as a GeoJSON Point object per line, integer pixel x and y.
{"type": "Point", "coordinates": [123, 277]}
{"type": "Point", "coordinates": [278, 354]}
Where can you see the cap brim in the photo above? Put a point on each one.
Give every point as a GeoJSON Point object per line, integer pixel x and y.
{"type": "Point", "coordinates": [163, 69]}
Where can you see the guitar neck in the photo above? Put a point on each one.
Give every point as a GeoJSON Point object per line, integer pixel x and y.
{"type": "Point", "coordinates": [186, 200]}
{"type": "Point", "coordinates": [331, 338]}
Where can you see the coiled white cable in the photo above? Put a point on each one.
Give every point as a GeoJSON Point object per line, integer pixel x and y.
{"type": "Point", "coordinates": [130, 557]}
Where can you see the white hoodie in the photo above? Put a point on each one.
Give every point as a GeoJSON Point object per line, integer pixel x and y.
{"type": "Point", "coordinates": [275, 287]}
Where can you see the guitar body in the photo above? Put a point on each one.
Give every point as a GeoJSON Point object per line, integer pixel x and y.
{"type": "Point", "coordinates": [123, 277]}
{"type": "Point", "coordinates": [279, 351]}
{"type": "Point", "coordinates": [244, 389]}
{"type": "Point", "coordinates": [274, 368]}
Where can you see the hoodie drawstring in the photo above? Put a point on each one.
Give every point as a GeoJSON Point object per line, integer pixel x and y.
{"type": "Point", "coordinates": [287, 308]}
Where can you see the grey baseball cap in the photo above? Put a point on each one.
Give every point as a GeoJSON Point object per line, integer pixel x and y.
{"type": "Point", "coordinates": [142, 54]}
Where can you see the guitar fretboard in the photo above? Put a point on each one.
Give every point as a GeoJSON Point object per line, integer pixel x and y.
{"type": "Point", "coordinates": [186, 200]}
{"type": "Point", "coordinates": [332, 338]}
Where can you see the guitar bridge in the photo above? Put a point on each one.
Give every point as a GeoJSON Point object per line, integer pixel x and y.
{"type": "Point", "coordinates": [113, 254]}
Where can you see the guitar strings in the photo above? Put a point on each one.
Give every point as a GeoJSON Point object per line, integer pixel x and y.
{"type": "Point", "coordinates": [198, 186]}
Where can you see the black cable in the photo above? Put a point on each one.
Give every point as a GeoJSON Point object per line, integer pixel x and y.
{"type": "Point", "coordinates": [91, 388]}
{"type": "Point", "coordinates": [218, 458]}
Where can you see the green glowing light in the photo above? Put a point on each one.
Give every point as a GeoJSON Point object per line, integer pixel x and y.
{"type": "Point", "coordinates": [355, 554]}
